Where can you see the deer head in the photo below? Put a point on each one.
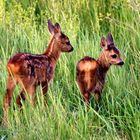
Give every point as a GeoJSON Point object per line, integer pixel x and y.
{"type": "Point", "coordinates": [61, 39]}
{"type": "Point", "coordinates": [110, 53]}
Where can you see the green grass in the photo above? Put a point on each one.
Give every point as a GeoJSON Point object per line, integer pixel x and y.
{"type": "Point", "coordinates": [23, 28]}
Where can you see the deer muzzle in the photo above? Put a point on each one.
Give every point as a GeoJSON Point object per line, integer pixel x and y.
{"type": "Point", "coordinates": [71, 49]}
{"type": "Point", "coordinates": [121, 63]}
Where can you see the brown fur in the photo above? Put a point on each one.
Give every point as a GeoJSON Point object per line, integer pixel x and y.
{"type": "Point", "coordinates": [29, 70]}
{"type": "Point", "coordinates": [91, 73]}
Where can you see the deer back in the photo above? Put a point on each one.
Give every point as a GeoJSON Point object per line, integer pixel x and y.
{"type": "Point", "coordinates": [37, 67]}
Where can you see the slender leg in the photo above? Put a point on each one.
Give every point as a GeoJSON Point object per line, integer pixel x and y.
{"type": "Point", "coordinates": [28, 86]}
{"type": "Point", "coordinates": [97, 99]}
{"type": "Point", "coordinates": [31, 92]}
{"type": "Point", "coordinates": [87, 98]}
{"type": "Point", "coordinates": [19, 97]}
{"type": "Point", "coordinates": [86, 95]}
{"type": "Point", "coordinates": [45, 89]}
{"type": "Point", "coordinates": [8, 98]}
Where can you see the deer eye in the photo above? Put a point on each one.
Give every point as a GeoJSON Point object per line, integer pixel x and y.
{"type": "Point", "coordinates": [114, 56]}
{"type": "Point", "coordinates": [62, 35]}
{"type": "Point", "coordinates": [68, 43]}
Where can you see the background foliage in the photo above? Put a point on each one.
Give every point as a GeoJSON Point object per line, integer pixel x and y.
{"type": "Point", "coordinates": [23, 28]}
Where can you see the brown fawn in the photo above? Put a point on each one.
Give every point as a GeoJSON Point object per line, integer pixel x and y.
{"type": "Point", "coordinates": [30, 70]}
{"type": "Point", "coordinates": [91, 73]}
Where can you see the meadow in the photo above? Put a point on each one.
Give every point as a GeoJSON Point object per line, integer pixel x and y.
{"type": "Point", "coordinates": [23, 28]}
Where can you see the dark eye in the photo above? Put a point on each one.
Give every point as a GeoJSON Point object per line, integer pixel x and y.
{"type": "Point", "coordinates": [68, 43]}
{"type": "Point", "coordinates": [62, 35]}
{"type": "Point", "coordinates": [114, 56]}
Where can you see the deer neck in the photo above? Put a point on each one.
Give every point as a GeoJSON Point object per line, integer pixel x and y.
{"type": "Point", "coordinates": [103, 65]}
{"type": "Point", "coordinates": [53, 52]}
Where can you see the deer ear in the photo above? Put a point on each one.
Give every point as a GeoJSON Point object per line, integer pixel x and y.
{"type": "Point", "coordinates": [51, 27]}
{"type": "Point", "coordinates": [57, 28]}
{"type": "Point", "coordinates": [109, 38]}
{"type": "Point", "coordinates": [103, 43]}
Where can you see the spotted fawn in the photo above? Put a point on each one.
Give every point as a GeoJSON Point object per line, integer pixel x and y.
{"type": "Point", "coordinates": [91, 73]}
{"type": "Point", "coordinates": [30, 70]}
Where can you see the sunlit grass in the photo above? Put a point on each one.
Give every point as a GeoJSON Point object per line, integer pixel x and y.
{"type": "Point", "coordinates": [23, 27]}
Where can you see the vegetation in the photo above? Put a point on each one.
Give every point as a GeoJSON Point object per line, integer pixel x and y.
{"type": "Point", "coordinates": [23, 28]}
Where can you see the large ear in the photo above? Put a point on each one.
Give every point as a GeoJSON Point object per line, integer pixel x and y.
{"type": "Point", "coordinates": [51, 27]}
{"type": "Point", "coordinates": [103, 43]}
{"type": "Point", "coordinates": [109, 38]}
{"type": "Point", "coordinates": [57, 28]}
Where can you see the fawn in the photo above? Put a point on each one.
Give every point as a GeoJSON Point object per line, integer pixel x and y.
{"type": "Point", "coordinates": [91, 73]}
{"type": "Point", "coordinates": [30, 70]}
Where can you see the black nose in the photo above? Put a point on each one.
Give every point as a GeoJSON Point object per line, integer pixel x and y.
{"type": "Point", "coordinates": [71, 49]}
{"type": "Point", "coordinates": [121, 63]}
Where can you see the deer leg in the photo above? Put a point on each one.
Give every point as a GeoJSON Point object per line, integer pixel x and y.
{"type": "Point", "coordinates": [86, 95]}
{"type": "Point", "coordinates": [31, 92]}
{"type": "Point", "coordinates": [28, 86]}
{"type": "Point", "coordinates": [19, 97]}
{"type": "Point", "coordinates": [7, 98]}
{"type": "Point", "coordinates": [97, 99]}
{"type": "Point", "coordinates": [45, 89]}
{"type": "Point", "coordinates": [86, 98]}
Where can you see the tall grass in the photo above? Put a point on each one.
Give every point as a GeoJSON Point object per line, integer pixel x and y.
{"type": "Point", "coordinates": [23, 28]}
